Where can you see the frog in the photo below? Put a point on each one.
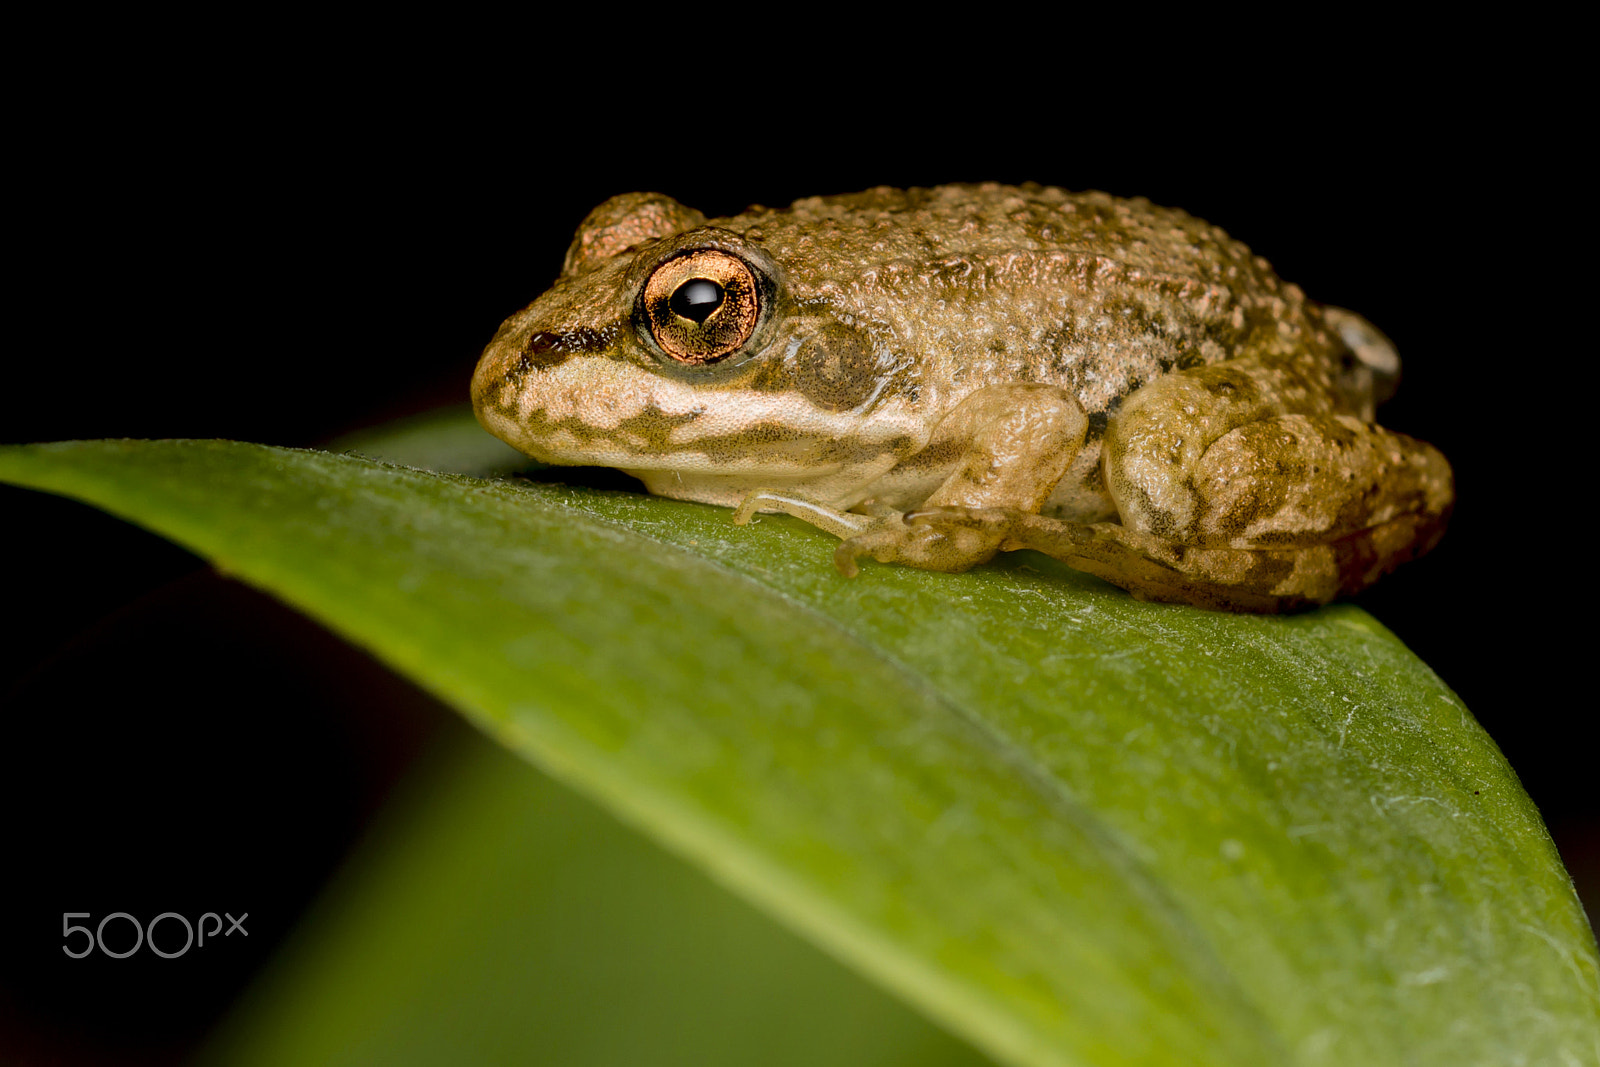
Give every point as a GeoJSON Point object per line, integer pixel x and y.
{"type": "Point", "coordinates": [937, 375]}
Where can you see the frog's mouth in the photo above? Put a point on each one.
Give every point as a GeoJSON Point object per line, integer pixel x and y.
{"type": "Point", "coordinates": [604, 412]}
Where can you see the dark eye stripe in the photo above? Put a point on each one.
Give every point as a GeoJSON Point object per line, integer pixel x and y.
{"type": "Point", "coordinates": [551, 348]}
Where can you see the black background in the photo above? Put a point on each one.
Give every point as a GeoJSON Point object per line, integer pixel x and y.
{"type": "Point", "coordinates": [283, 249]}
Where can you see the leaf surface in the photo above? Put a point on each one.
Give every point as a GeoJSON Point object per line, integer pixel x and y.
{"type": "Point", "coordinates": [1071, 827]}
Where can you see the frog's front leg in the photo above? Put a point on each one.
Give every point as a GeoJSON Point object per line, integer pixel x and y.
{"type": "Point", "coordinates": [1015, 442]}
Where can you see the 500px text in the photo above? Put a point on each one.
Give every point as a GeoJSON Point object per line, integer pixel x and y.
{"type": "Point", "coordinates": [143, 935]}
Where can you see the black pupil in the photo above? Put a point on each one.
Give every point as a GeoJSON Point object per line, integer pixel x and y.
{"type": "Point", "coordinates": [696, 299]}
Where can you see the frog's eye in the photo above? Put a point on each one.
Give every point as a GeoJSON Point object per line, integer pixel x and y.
{"type": "Point", "coordinates": [702, 306]}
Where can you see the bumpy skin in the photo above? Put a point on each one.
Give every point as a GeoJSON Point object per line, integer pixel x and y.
{"type": "Point", "coordinates": [978, 368]}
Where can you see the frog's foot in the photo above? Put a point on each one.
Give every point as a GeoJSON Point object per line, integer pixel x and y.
{"type": "Point", "coordinates": [890, 539]}
{"type": "Point", "coordinates": [881, 532]}
{"type": "Point", "coordinates": [1258, 579]}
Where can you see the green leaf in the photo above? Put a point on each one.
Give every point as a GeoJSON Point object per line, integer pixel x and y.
{"type": "Point", "coordinates": [493, 916]}
{"type": "Point", "coordinates": [1074, 828]}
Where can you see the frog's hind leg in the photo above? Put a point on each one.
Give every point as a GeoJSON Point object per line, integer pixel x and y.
{"type": "Point", "coordinates": [1221, 579]}
{"type": "Point", "coordinates": [1283, 512]}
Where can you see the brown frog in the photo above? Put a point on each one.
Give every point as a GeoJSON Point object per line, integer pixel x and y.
{"type": "Point", "coordinates": [936, 375]}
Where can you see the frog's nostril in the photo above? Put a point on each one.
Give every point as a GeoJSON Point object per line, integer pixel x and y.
{"type": "Point", "coordinates": [546, 349]}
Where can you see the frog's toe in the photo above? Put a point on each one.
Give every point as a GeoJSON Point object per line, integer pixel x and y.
{"type": "Point", "coordinates": [877, 509]}
{"type": "Point", "coordinates": [848, 551]}
{"type": "Point", "coordinates": [753, 502]}
{"type": "Point", "coordinates": [832, 520]}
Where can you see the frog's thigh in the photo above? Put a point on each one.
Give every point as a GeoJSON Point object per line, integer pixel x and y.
{"type": "Point", "coordinates": [1016, 442]}
{"type": "Point", "coordinates": [1312, 479]}
{"type": "Point", "coordinates": [1287, 510]}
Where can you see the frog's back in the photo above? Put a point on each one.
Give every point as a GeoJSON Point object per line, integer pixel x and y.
{"type": "Point", "coordinates": [999, 283]}
{"type": "Point", "coordinates": [982, 221]}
